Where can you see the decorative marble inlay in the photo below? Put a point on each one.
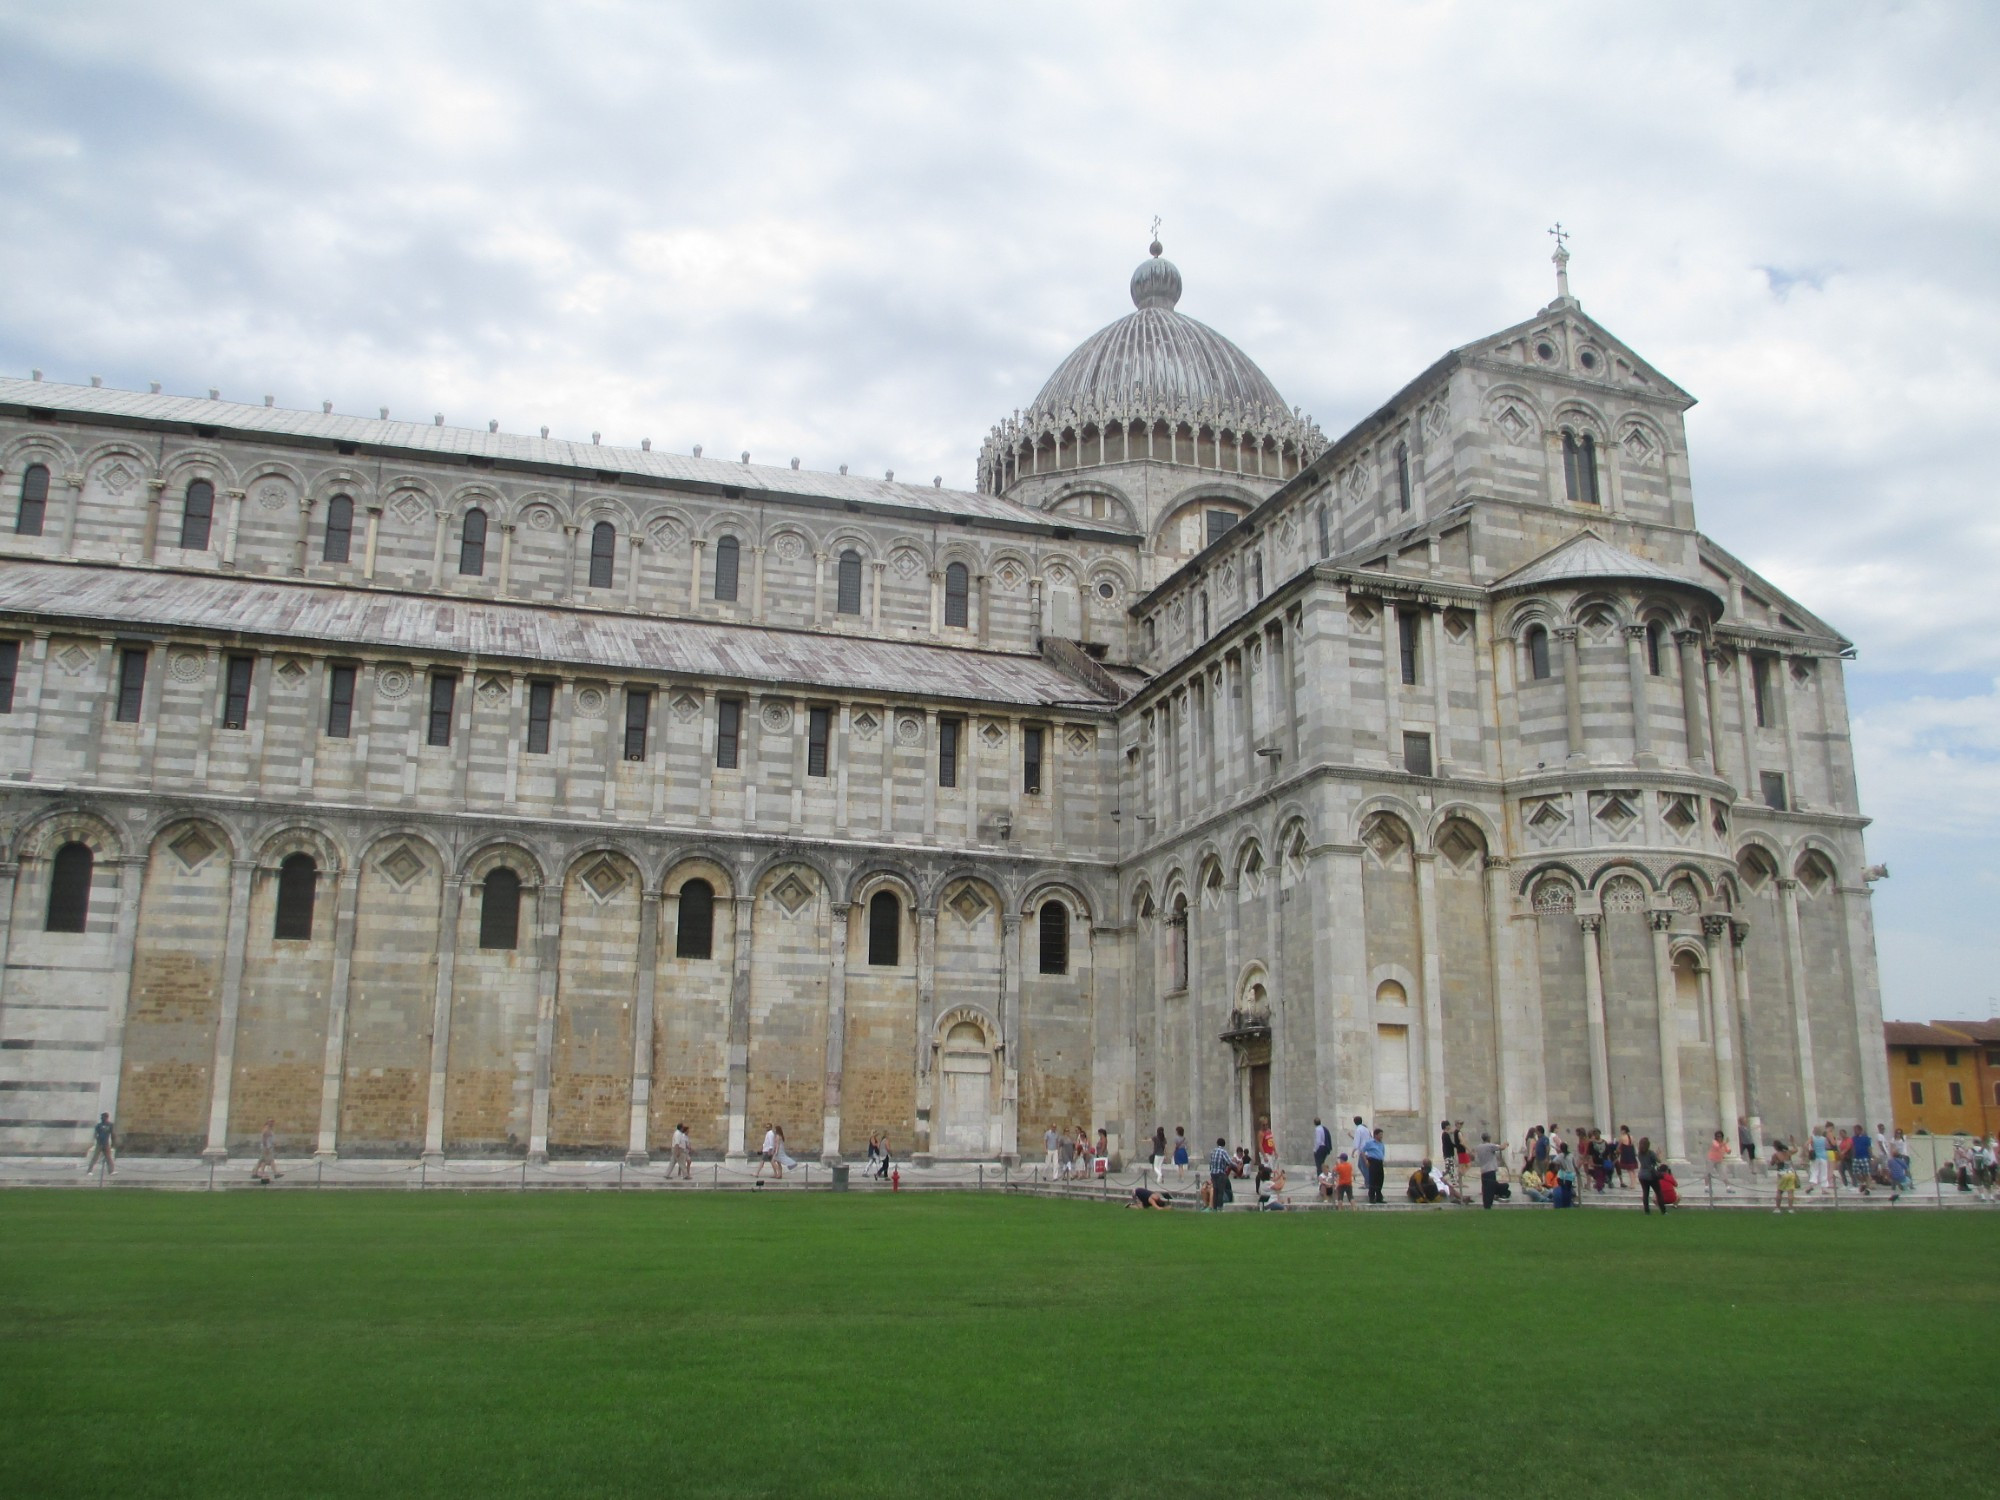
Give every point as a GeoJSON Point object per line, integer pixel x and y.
{"type": "Point", "coordinates": [118, 476]}
{"type": "Point", "coordinates": [402, 865]}
{"type": "Point", "coordinates": [185, 666]}
{"type": "Point", "coordinates": [777, 717]}
{"type": "Point", "coordinates": [603, 880]}
{"type": "Point", "coordinates": [590, 702]}
{"type": "Point", "coordinates": [792, 895]}
{"type": "Point", "coordinates": [392, 683]}
{"type": "Point", "coordinates": [193, 848]}
{"type": "Point", "coordinates": [409, 508]}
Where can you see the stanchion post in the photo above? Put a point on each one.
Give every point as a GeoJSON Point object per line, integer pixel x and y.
{"type": "Point", "coordinates": [423, 1173]}
{"type": "Point", "coordinates": [211, 1176]}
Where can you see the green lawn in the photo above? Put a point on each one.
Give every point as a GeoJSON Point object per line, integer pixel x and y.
{"type": "Point", "coordinates": [952, 1346]}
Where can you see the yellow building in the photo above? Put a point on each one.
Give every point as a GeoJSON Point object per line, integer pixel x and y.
{"type": "Point", "coordinates": [1945, 1079]}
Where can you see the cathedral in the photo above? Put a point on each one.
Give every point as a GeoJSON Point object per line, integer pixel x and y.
{"type": "Point", "coordinates": [451, 792]}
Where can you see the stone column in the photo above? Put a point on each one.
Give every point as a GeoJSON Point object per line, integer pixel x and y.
{"type": "Point", "coordinates": [875, 568]}
{"type": "Point", "coordinates": [739, 1028]}
{"type": "Point", "coordinates": [235, 498]}
{"type": "Point", "coordinates": [450, 905]}
{"type": "Point", "coordinates": [1441, 688]}
{"type": "Point", "coordinates": [302, 544]}
{"type": "Point", "coordinates": [1517, 1011]}
{"type": "Point", "coordinates": [222, 1071]}
{"type": "Point", "coordinates": [548, 974]}
{"type": "Point", "coordinates": [757, 584]}
{"type": "Point", "coordinates": [636, 1150]}
{"type": "Point", "coordinates": [373, 543]}
{"type": "Point", "coordinates": [1710, 678]}
{"type": "Point", "coordinates": [506, 557]}
{"type": "Point", "coordinates": [131, 875]}
{"type": "Point", "coordinates": [1010, 1034]}
{"type": "Point", "coordinates": [150, 544]}
{"type": "Point", "coordinates": [1392, 685]}
{"type": "Point", "coordinates": [1436, 1098]}
{"type": "Point", "coordinates": [819, 590]}
{"type": "Point", "coordinates": [1593, 995]}
{"type": "Point", "coordinates": [333, 1073]}
{"type": "Point", "coordinates": [927, 920]}
{"type": "Point", "coordinates": [1037, 626]}
{"type": "Point", "coordinates": [1746, 698]}
{"type": "Point", "coordinates": [1722, 979]}
{"type": "Point", "coordinates": [634, 547]}
{"type": "Point", "coordinates": [1668, 1003]}
{"type": "Point", "coordinates": [437, 551]}
{"type": "Point", "coordinates": [1642, 719]}
{"type": "Point", "coordinates": [695, 546]}
{"type": "Point", "coordinates": [937, 601]}
{"type": "Point", "coordinates": [1788, 896]}
{"type": "Point", "coordinates": [10, 873]}
{"type": "Point", "coordinates": [836, 1038]}
{"type": "Point", "coordinates": [1693, 708]}
{"type": "Point", "coordinates": [570, 533]}
{"type": "Point", "coordinates": [1858, 906]}
{"type": "Point", "coordinates": [984, 606]}
{"type": "Point", "coordinates": [1782, 671]}
{"type": "Point", "coordinates": [1572, 688]}
{"type": "Point", "coordinates": [1739, 963]}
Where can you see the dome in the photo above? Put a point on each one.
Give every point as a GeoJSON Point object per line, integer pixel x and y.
{"type": "Point", "coordinates": [1157, 358]}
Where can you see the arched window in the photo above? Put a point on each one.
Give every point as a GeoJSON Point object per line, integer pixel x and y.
{"type": "Point", "coordinates": [298, 883]}
{"type": "Point", "coordinates": [500, 909]}
{"type": "Point", "coordinates": [1402, 476]}
{"type": "Point", "coordinates": [1538, 653]}
{"type": "Point", "coordinates": [1653, 633]}
{"type": "Point", "coordinates": [69, 889]}
{"type": "Point", "coordinates": [728, 551]}
{"type": "Point", "coordinates": [694, 933]}
{"type": "Point", "coordinates": [1580, 468]}
{"type": "Point", "coordinates": [1055, 937]}
{"type": "Point", "coordinates": [885, 930]}
{"type": "Point", "coordinates": [1178, 953]}
{"type": "Point", "coordinates": [339, 529]}
{"type": "Point", "coordinates": [472, 544]}
{"type": "Point", "coordinates": [197, 512]}
{"type": "Point", "coordinates": [848, 600]}
{"type": "Point", "coordinates": [603, 554]}
{"type": "Point", "coordinates": [957, 591]}
{"type": "Point", "coordinates": [34, 501]}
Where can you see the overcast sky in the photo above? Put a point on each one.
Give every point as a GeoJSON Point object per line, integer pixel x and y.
{"type": "Point", "coordinates": [863, 233]}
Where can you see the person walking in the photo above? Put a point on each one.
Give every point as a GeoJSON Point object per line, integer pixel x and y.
{"type": "Point", "coordinates": [1159, 1154]}
{"type": "Point", "coordinates": [1649, 1176]}
{"type": "Point", "coordinates": [1486, 1157]}
{"type": "Point", "coordinates": [1788, 1179]}
{"type": "Point", "coordinates": [1375, 1160]}
{"type": "Point", "coordinates": [1051, 1151]}
{"type": "Point", "coordinates": [103, 1141]}
{"type": "Point", "coordinates": [1862, 1154]}
{"type": "Point", "coordinates": [1065, 1155]}
{"type": "Point", "coordinates": [1821, 1151]}
{"type": "Point", "coordinates": [266, 1171]}
{"type": "Point", "coordinates": [784, 1157]}
{"type": "Point", "coordinates": [1322, 1145]}
{"type": "Point", "coordinates": [1220, 1164]}
{"type": "Point", "coordinates": [1746, 1140]}
{"type": "Point", "coordinates": [1360, 1145]}
{"type": "Point", "coordinates": [680, 1161]}
{"type": "Point", "coordinates": [767, 1154]}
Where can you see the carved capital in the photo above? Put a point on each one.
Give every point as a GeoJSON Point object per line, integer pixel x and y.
{"type": "Point", "coordinates": [1634, 633]}
{"type": "Point", "coordinates": [1589, 921]}
{"type": "Point", "coordinates": [1662, 920]}
{"type": "Point", "coordinates": [234, 494]}
{"type": "Point", "coordinates": [1687, 637]}
{"type": "Point", "coordinates": [1565, 633]}
{"type": "Point", "coordinates": [1715, 926]}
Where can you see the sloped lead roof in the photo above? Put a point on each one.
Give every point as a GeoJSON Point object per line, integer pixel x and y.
{"type": "Point", "coordinates": [162, 602]}
{"type": "Point", "coordinates": [426, 438]}
{"type": "Point", "coordinates": [1589, 556]}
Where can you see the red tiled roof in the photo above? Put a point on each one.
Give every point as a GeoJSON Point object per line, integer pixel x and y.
{"type": "Point", "coordinates": [1917, 1034]}
{"type": "Point", "coordinates": [1978, 1031]}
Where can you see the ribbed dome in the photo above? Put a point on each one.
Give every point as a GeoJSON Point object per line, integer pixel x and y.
{"type": "Point", "coordinates": [1157, 357]}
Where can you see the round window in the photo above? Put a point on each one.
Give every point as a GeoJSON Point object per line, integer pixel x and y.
{"type": "Point", "coordinates": [1545, 352]}
{"type": "Point", "coordinates": [1105, 588]}
{"type": "Point", "coordinates": [1588, 360]}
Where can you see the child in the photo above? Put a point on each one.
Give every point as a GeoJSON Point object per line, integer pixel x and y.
{"type": "Point", "coordinates": [1343, 1176]}
{"type": "Point", "coordinates": [1788, 1178]}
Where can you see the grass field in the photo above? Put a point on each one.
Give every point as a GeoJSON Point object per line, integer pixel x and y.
{"type": "Point", "coordinates": [954, 1346]}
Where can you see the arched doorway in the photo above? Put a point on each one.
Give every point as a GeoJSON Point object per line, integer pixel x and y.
{"type": "Point", "coordinates": [968, 1111]}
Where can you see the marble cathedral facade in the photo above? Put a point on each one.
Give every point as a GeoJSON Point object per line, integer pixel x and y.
{"type": "Point", "coordinates": [439, 790]}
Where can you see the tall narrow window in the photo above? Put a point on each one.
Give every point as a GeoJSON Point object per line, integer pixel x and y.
{"type": "Point", "coordinates": [34, 506]}
{"type": "Point", "coordinates": [1916, 1092]}
{"type": "Point", "coordinates": [728, 552]}
{"type": "Point", "coordinates": [10, 669]}
{"type": "Point", "coordinates": [1203, 602]}
{"type": "Point", "coordinates": [131, 684]}
{"type": "Point", "coordinates": [694, 927]}
{"type": "Point", "coordinates": [1402, 476]}
{"type": "Point", "coordinates": [1219, 524]}
{"type": "Point", "coordinates": [638, 710]}
{"type": "Point", "coordinates": [236, 692]}
{"type": "Point", "coordinates": [472, 544]}
{"type": "Point", "coordinates": [541, 711]}
{"type": "Point", "coordinates": [339, 529]}
{"type": "Point", "coordinates": [1417, 754]}
{"type": "Point", "coordinates": [603, 554]}
{"type": "Point", "coordinates": [444, 696]}
{"type": "Point", "coordinates": [1408, 623]}
{"type": "Point", "coordinates": [500, 909]}
{"type": "Point", "coordinates": [339, 702]}
{"type": "Point", "coordinates": [848, 599]}
{"type": "Point", "coordinates": [1178, 953]}
{"type": "Point", "coordinates": [298, 884]}
{"type": "Point", "coordinates": [1325, 536]}
{"type": "Point", "coordinates": [948, 751]}
{"type": "Point", "coordinates": [728, 729]}
{"type": "Point", "coordinates": [69, 889]}
{"type": "Point", "coordinates": [1538, 653]}
{"type": "Point", "coordinates": [885, 930]}
{"type": "Point", "coordinates": [1653, 648]}
{"type": "Point", "coordinates": [1055, 938]}
{"type": "Point", "coordinates": [197, 514]}
{"type": "Point", "coordinates": [1031, 761]}
{"type": "Point", "coordinates": [957, 594]}
{"type": "Point", "coordinates": [1772, 783]}
{"type": "Point", "coordinates": [1257, 573]}
{"type": "Point", "coordinates": [817, 722]}
{"type": "Point", "coordinates": [1580, 468]}
{"type": "Point", "coordinates": [1760, 689]}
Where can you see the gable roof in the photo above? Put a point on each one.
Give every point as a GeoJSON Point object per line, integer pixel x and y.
{"type": "Point", "coordinates": [1648, 378]}
{"type": "Point", "coordinates": [1588, 556]}
{"type": "Point", "coordinates": [1917, 1034]}
{"type": "Point", "coordinates": [1725, 562]}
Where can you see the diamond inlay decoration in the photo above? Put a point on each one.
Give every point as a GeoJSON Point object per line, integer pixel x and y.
{"type": "Point", "coordinates": [791, 894]}
{"type": "Point", "coordinates": [603, 880]}
{"type": "Point", "coordinates": [409, 509]}
{"type": "Point", "coordinates": [1615, 813]}
{"type": "Point", "coordinates": [993, 734]}
{"type": "Point", "coordinates": [1009, 574]}
{"type": "Point", "coordinates": [291, 672]}
{"type": "Point", "coordinates": [193, 847]}
{"type": "Point", "coordinates": [1638, 446]}
{"type": "Point", "coordinates": [117, 477]}
{"type": "Point", "coordinates": [685, 707]}
{"type": "Point", "coordinates": [73, 659]}
{"type": "Point", "coordinates": [666, 533]}
{"type": "Point", "coordinates": [968, 904]}
{"type": "Point", "coordinates": [1079, 740]}
{"type": "Point", "coordinates": [1547, 819]}
{"type": "Point", "coordinates": [1384, 836]}
{"type": "Point", "coordinates": [905, 562]}
{"type": "Point", "coordinates": [402, 865]}
{"type": "Point", "coordinates": [1679, 814]}
{"type": "Point", "coordinates": [1458, 846]}
{"type": "Point", "coordinates": [492, 692]}
{"type": "Point", "coordinates": [1511, 422]}
{"type": "Point", "coordinates": [866, 725]}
